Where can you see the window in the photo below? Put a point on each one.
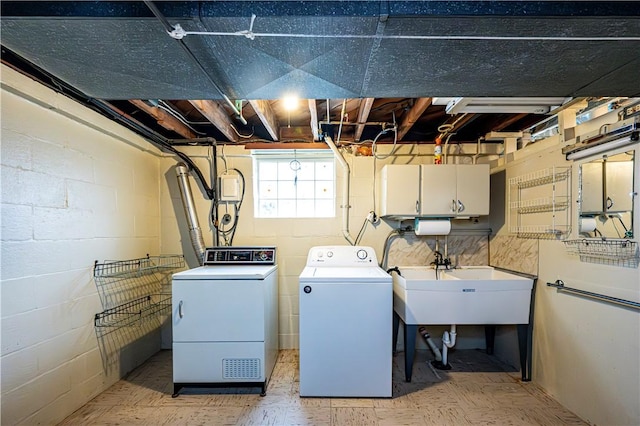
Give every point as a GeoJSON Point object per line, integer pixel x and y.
{"type": "Point", "coordinates": [293, 184]}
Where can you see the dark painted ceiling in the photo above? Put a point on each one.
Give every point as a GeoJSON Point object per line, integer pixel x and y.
{"type": "Point", "coordinates": [392, 51]}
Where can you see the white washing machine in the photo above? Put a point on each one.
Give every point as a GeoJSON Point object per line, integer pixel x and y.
{"type": "Point", "coordinates": [346, 309]}
{"type": "Point", "coordinates": [225, 319]}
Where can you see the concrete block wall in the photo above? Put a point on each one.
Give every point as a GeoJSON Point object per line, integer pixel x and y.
{"type": "Point", "coordinates": [76, 188]}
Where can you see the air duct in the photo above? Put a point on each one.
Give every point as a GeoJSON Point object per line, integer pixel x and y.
{"type": "Point", "coordinates": [190, 211]}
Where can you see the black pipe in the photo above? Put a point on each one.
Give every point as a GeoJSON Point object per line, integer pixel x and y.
{"type": "Point", "coordinates": [395, 268]}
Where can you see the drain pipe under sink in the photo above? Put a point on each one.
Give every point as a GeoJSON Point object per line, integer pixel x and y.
{"type": "Point", "coordinates": [345, 189]}
{"type": "Point", "coordinates": [448, 341]}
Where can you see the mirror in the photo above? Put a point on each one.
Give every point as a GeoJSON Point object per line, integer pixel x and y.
{"type": "Point", "coordinates": [606, 196]}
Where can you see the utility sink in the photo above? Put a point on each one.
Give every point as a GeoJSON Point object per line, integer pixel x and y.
{"type": "Point", "coordinates": [465, 295]}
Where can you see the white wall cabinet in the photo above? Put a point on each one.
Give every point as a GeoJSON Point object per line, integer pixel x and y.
{"type": "Point", "coordinates": [448, 190]}
{"type": "Point", "coordinates": [400, 190]}
{"type": "Point", "coordinates": [454, 190]}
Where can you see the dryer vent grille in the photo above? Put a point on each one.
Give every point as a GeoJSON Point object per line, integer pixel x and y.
{"type": "Point", "coordinates": [241, 368]}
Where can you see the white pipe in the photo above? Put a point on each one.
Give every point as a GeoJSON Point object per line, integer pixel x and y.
{"type": "Point", "coordinates": [448, 341]}
{"type": "Point", "coordinates": [345, 189]}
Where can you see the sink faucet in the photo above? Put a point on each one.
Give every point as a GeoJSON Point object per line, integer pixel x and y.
{"type": "Point", "coordinates": [440, 261]}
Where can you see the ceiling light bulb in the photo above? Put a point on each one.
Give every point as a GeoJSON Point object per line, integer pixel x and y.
{"type": "Point", "coordinates": [290, 102]}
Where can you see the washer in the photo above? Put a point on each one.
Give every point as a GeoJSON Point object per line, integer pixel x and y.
{"type": "Point", "coordinates": [225, 319]}
{"type": "Point", "coordinates": [346, 308]}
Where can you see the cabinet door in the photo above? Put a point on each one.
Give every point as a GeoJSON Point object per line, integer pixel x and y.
{"type": "Point", "coordinates": [400, 189]}
{"type": "Point", "coordinates": [438, 190]}
{"type": "Point", "coordinates": [472, 189]}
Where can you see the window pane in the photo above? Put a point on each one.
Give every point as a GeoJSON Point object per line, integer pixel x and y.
{"type": "Point", "coordinates": [285, 171]}
{"type": "Point", "coordinates": [306, 208]}
{"type": "Point", "coordinates": [268, 170]}
{"type": "Point", "coordinates": [324, 189]}
{"type": "Point", "coordinates": [305, 190]}
{"type": "Point", "coordinates": [268, 208]}
{"type": "Point", "coordinates": [286, 189]}
{"type": "Point", "coordinates": [306, 171]}
{"type": "Point", "coordinates": [324, 170]}
{"type": "Point", "coordinates": [286, 208]}
{"type": "Point", "coordinates": [268, 190]}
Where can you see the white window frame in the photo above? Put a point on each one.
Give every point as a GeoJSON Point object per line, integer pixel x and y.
{"type": "Point", "coordinates": [281, 192]}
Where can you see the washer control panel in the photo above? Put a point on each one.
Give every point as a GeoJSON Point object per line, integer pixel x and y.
{"type": "Point", "coordinates": [341, 256]}
{"type": "Point", "coordinates": [240, 256]}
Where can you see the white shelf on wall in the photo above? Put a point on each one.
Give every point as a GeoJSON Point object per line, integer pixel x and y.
{"type": "Point", "coordinates": [539, 203]}
{"type": "Point", "coordinates": [609, 251]}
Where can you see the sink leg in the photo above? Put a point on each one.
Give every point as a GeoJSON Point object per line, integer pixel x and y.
{"type": "Point", "coordinates": [410, 332]}
{"type": "Point", "coordinates": [490, 337]}
{"type": "Point", "coordinates": [523, 339]}
{"type": "Point", "coordinates": [396, 326]}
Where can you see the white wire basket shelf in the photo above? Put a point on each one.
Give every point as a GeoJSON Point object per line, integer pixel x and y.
{"type": "Point", "coordinates": [136, 267]}
{"type": "Point", "coordinates": [615, 250]}
{"type": "Point", "coordinates": [540, 205]}
{"type": "Point", "coordinates": [541, 177]}
{"type": "Point", "coordinates": [541, 231]}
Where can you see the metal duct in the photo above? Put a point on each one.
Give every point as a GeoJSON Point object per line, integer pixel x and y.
{"type": "Point", "coordinates": [190, 211]}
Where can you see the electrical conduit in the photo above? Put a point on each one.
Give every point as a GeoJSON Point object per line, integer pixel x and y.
{"type": "Point", "coordinates": [345, 189]}
{"type": "Point", "coordinates": [190, 211]}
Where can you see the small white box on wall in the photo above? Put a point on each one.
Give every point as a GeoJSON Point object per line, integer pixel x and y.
{"type": "Point", "coordinates": [229, 188]}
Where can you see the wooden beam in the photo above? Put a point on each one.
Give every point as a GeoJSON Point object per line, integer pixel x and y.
{"type": "Point", "coordinates": [313, 111]}
{"type": "Point", "coordinates": [363, 116]}
{"type": "Point", "coordinates": [216, 114]}
{"type": "Point", "coordinates": [286, 145]}
{"type": "Point", "coordinates": [508, 121]}
{"type": "Point", "coordinates": [267, 116]}
{"type": "Point", "coordinates": [164, 119]}
{"type": "Point", "coordinates": [413, 115]}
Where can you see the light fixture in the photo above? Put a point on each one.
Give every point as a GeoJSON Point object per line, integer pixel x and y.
{"type": "Point", "coordinates": [597, 149]}
{"type": "Point", "coordinates": [530, 105]}
{"type": "Point", "coordinates": [290, 102]}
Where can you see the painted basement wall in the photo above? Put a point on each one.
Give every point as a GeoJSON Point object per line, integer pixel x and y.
{"type": "Point", "coordinates": [586, 353]}
{"type": "Point", "coordinates": [76, 188]}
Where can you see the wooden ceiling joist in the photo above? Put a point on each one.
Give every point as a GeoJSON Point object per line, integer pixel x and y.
{"type": "Point", "coordinates": [267, 116]}
{"type": "Point", "coordinates": [508, 122]}
{"type": "Point", "coordinates": [165, 119]}
{"type": "Point", "coordinates": [363, 116]}
{"type": "Point", "coordinates": [413, 115]}
{"type": "Point", "coordinates": [313, 111]}
{"type": "Point", "coordinates": [216, 114]}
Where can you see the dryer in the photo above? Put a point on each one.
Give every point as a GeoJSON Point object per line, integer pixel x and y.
{"type": "Point", "coordinates": [346, 309]}
{"type": "Point", "coordinates": [225, 319]}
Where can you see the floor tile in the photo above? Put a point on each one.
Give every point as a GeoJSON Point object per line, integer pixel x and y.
{"type": "Point", "coordinates": [354, 416]}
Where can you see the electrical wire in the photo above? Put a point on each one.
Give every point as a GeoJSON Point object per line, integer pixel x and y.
{"type": "Point", "coordinates": [241, 135]}
{"type": "Point", "coordinates": [164, 106]}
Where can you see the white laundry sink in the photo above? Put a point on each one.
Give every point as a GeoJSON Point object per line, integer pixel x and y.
{"type": "Point", "coordinates": [466, 295]}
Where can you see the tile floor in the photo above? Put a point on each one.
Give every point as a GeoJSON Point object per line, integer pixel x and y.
{"type": "Point", "coordinates": [478, 390]}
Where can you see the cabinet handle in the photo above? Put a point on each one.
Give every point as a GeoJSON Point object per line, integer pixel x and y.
{"type": "Point", "coordinates": [453, 206]}
{"type": "Point", "coordinates": [609, 203]}
{"type": "Point", "coordinates": [417, 206]}
{"type": "Point", "coordinates": [460, 206]}
{"type": "Point", "coordinates": [180, 313]}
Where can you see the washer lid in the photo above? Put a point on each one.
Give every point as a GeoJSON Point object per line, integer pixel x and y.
{"type": "Point", "coordinates": [227, 272]}
{"type": "Point", "coordinates": [345, 274]}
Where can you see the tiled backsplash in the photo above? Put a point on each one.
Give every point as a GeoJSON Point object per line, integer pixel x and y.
{"type": "Point", "coordinates": [516, 254]}
{"type": "Point", "coordinates": [412, 250]}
